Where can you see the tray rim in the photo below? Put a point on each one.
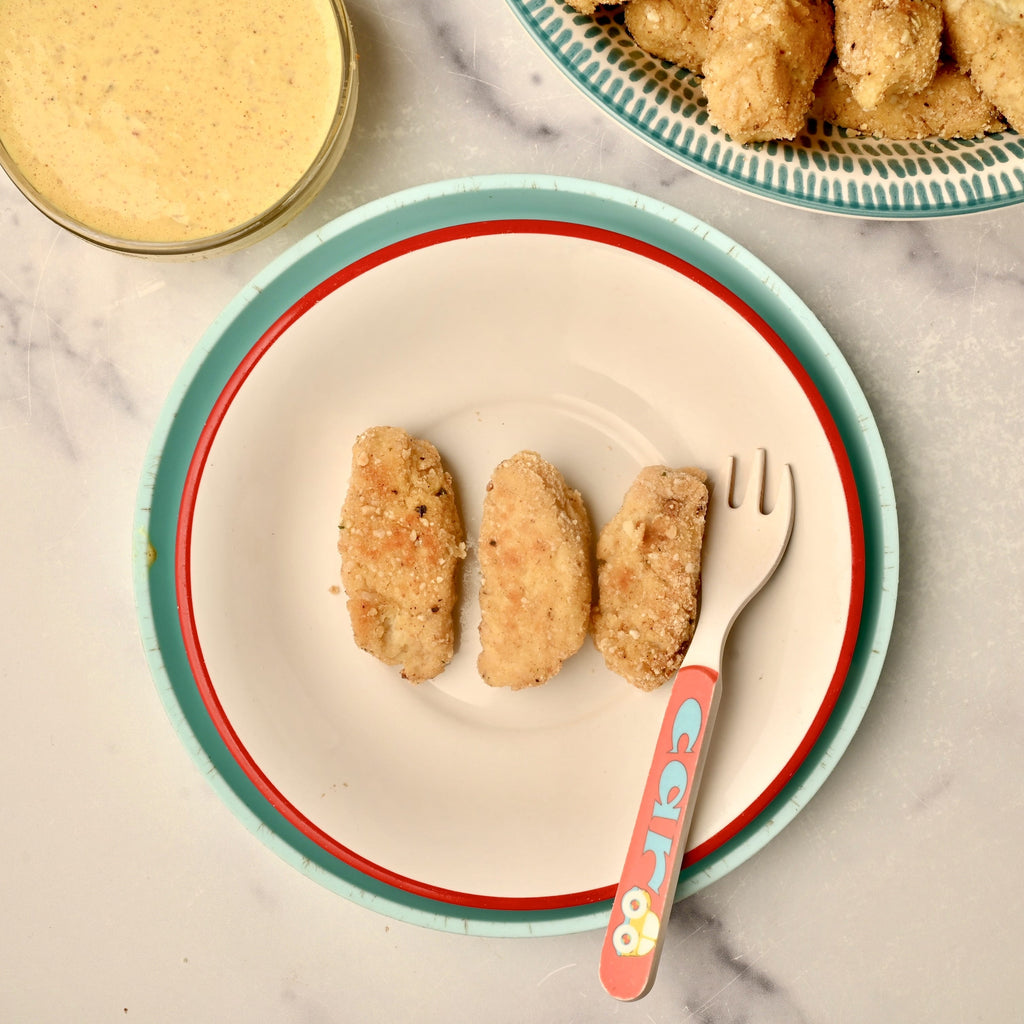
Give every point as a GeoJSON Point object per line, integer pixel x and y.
{"type": "Point", "coordinates": [420, 204]}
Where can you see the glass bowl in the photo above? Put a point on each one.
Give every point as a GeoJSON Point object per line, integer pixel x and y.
{"type": "Point", "coordinates": [289, 201]}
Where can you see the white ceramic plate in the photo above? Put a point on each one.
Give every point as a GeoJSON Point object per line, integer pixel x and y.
{"type": "Point", "coordinates": [606, 332]}
{"type": "Point", "coordinates": [826, 168]}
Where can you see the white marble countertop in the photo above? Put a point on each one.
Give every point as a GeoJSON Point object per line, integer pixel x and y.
{"type": "Point", "coordinates": [131, 893]}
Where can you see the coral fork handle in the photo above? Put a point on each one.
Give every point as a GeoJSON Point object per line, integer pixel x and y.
{"type": "Point", "coordinates": [633, 941]}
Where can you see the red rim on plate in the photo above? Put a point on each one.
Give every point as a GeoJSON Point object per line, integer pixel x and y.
{"type": "Point", "coordinates": [193, 644]}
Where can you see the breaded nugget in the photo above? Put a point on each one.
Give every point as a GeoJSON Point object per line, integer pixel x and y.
{"type": "Point", "coordinates": [763, 60]}
{"type": "Point", "coordinates": [648, 575]}
{"type": "Point", "coordinates": [886, 47]}
{"type": "Point", "coordinates": [401, 542]}
{"type": "Point", "coordinates": [536, 575]}
{"type": "Point", "coordinates": [986, 38]}
{"type": "Point", "coordinates": [673, 30]}
{"type": "Point", "coordinates": [949, 107]}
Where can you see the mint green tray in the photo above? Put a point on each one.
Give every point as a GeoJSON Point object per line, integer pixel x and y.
{"type": "Point", "coordinates": [362, 232]}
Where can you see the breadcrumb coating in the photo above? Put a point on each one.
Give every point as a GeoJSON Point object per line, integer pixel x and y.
{"type": "Point", "coordinates": [648, 575]}
{"type": "Point", "coordinates": [886, 47]}
{"type": "Point", "coordinates": [987, 41]}
{"type": "Point", "coordinates": [401, 541]}
{"type": "Point", "coordinates": [763, 60]}
{"type": "Point", "coordinates": [949, 107]}
{"type": "Point", "coordinates": [536, 576]}
{"type": "Point", "coordinates": [881, 65]}
{"type": "Point", "coordinates": [674, 30]}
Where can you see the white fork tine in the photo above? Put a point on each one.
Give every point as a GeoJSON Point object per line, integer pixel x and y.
{"type": "Point", "coordinates": [755, 484]}
{"type": "Point", "coordinates": [743, 545]}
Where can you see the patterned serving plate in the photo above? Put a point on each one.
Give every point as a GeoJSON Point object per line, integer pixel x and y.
{"type": "Point", "coordinates": [826, 169]}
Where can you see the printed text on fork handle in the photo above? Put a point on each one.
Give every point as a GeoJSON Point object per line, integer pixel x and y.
{"type": "Point", "coordinates": [643, 900]}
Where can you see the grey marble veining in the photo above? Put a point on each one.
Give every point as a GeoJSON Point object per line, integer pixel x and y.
{"type": "Point", "coordinates": [132, 893]}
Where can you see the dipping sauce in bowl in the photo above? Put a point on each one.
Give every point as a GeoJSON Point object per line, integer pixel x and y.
{"type": "Point", "coordinates": [174, 127]}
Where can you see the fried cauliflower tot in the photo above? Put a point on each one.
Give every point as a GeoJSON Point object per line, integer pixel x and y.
{"type": "Point", "coordinates": [401, 541]}
{"type": "Point", "coordinates": [763, 60]}
{"type": "Point", "coordinates": [536, 577]}
{"type": "Point", "coordinates": [949, 107]}
{"type": "Point", "coordinates": [886, 47]}
{"type": "Point", "coordinates": [674, 30]}
{"type": "Point", "coordinates": [986, 38]}
{"type": "Point", "coordinates": [648, 575]}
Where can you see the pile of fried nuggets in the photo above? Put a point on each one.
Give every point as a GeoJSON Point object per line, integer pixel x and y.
{"type": "Point", "coordinates": [896, 69]}
{"type": "Point", "coordinates": [402, 543]}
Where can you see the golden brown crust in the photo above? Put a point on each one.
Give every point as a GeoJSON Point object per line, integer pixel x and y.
{"type": "Point", "coordinates": [886, 47]}
{"type": "Point", "coordinates": [536, 577]}
{"type": "Point", "coordinates": [401, 541]}
{"type": "Point", "coordinates": [648, 575]}
{"type": "Point", "coordinates": [987, 41]}
{"type": "Point", "coordinates": [950, 107]}
{"type": "Point", "coordinates": [673, 30]}
{"type": "Point", "coordinates": [763, 60]}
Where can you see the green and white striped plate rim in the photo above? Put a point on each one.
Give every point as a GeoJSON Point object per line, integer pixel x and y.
{"type": "Point", "coordinates": [825, 169]}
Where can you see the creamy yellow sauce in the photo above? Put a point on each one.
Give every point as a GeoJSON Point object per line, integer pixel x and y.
{"type": "Point", "coordinates": [166, 120]}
